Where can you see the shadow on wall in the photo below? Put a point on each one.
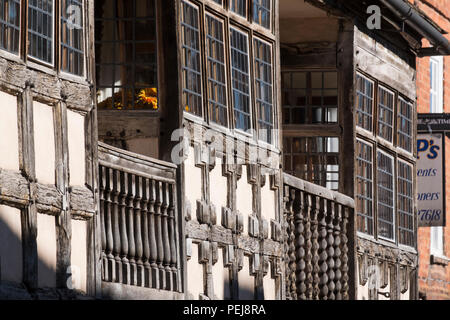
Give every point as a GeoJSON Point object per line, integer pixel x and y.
{"type": "Point", "coordinates": [11, 263]}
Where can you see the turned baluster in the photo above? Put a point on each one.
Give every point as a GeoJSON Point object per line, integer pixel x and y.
{"type": "Point", "coordinates": [323, 250]}
{"type": "Point", "coordinates": [344, 259]}
{"type": "Point", "coordinates": [337, 252]}
{"type": "Point", "coordinates": [315, 247]}
{"type": "Point", "coordinates": [109, 231]}
{"type": "Point", "coordinates": [165, 233]}
{"type": "Point", "coordinates": [145, 236]}
{"type": "Point", "coordinates": [172, 234]}
{"type": "Point", "coordinates": [330, 251]}
{"type": "Point", "coordinates": [308, 247]}
{"type": "Point", "coordinates": [115, 225]}
{"type": "Point", "coordinates": [152, 235]}
{"type": "Point", "coordinates": [137, 231]}
{"type": "Point", "coordinates": [130, 227]}
{"type": "Point", "coordinates": [300, 245]}
{"type": "Point", "coordinates": [102, 221]}
{"type": "Point", "coordinates": [123, 228]}
{"type": "Point", "coordinates": [290, 245]}
{"type": "Point", "coordinates": [159, 236]}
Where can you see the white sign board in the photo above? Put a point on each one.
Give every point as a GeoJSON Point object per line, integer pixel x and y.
{"type": "Point", "coordinates": [430, 175]}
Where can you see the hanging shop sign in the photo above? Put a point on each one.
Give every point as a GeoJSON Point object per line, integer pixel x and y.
{"type": "Point", "coordinates": [430, 180]}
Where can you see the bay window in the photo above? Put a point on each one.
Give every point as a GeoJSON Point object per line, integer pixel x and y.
{"type": "Point", "coordinates": [10, 25]}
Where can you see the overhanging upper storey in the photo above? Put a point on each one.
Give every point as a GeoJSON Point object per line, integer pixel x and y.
{"type": "Point", "coordinates": [401, 22]}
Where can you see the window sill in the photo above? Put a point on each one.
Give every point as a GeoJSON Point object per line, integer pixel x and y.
{"type": "Point", "coordinates": [438, 259]}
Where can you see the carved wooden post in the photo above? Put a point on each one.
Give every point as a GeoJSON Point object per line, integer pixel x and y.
{"type": "Point", "coordinates": [130, 225]}
{"type": "Point", "coordinates": [337, 252]}
{"type": "Point", "coordinates": [330, 251]}
{"type": "Point", "coordinates": [308, 247]}
{"type": "Point", "coordinates": [291, 241]}
{"type": "Point", "coordinates": [109, 231]}
{"type": "Point", "coordinates": [152, 234]}
{"type": "Point", "coordinates": [137, 231]}
{"type": "Point", "coordinates": [300, 245]}
{"type": "Point", "coordinates": [345, 278]}
{"type": "Point", "coordinates": [165, 234]}
{"type": "Point", "coordinates": [102, 221]}
{"type": "Point", "coordinates": [315, 247]}
{"type": "Point", "coordinates": [115, 225]}
{"type": "Point", "coordinates": [145, 235]}
{"type": "Point", "coordinates": [159, 237]}
{"type": "Point", "coordinates": [172, 236]}
{"type": "Point", "coordinates": [323, 250]}
{"type": "Point", "coordinates": [125, 276]}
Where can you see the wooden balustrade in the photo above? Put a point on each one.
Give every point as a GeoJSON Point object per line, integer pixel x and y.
{"type": "Point", "coordinates": [139, 220]}
{"type": "Point", "coordinates": [316, 250]}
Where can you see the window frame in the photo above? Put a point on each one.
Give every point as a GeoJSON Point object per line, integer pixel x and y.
{"type": "Point", "coordinates": [379, 121]}
{"type": "Point", "coordinates": [54, 68]}
{"type": "Point", "coordinates": [252, 31]}
{"type": "Point", "coordinates": [394, 150]}
{"type": "Point", "coordinates": [19, 49]}
{"type": "Point", "coordinates": [373, 183]}
{"type": "Point", "coordinates": [437, 248]}
{"type": "Point", "coordinates": [394, 198]}
{"type": "Point", "coordinates": [413, 215]}
{"type": "Point", "coordinates": [438, 61]}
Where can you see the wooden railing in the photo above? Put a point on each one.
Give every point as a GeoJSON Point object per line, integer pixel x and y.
{"type": "Point", "coordinates": [317, 233]}
{"type": "Point", "coordinates": [139, 220]}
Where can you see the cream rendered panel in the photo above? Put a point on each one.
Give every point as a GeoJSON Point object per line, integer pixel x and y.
{"type": "Point", "coordinates": [268, 202]}
{"type": "Point", "coordinates": [10, 244]}
{"type": "Point", "coordinates": [195, 274]}
{"type": "Point", "coordinates": [363, 291]}
{"type": "Point", "coordinates": [9, 132]}
{"type": "Point", "coordinates": [405, 296]}
{"type": "Point", "coordinates": [44, 143]}
{"type": "Point", "coordinates": [221, 278]}
{"type": "Point", "coordinates": [79, 254]}
{"type": "Point", "coordinates": [219, 188]}
{"type": "Point", "coordinates": [385, 289]}
{"type": "Point", "coordinates": [193, 179]}
{"type": "Point", "coordinates": [246, 282]}
{"type": "Point", "coordinates": [46, 246]}
{"type": "Point", "coordinates": [244, 201]}
{"type": "Point", "coordinates": [269, 286]}
{"type": "Point", "coordinates": [76, 146]}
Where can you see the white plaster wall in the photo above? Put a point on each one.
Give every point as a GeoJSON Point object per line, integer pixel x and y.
{"type": "Point", "coordinates": [221, 278]}
{"type": "Point", "coordinates": [244, 197]}
{"type": "Point", "coordinates": [219, 188]}
{"type": "Point", "coordinates": [44, 143]}
{"type": "Point", "coordinates": [46, 246]}
{"type": "Point", "coordinates": [195, 281]}
{"type": "Point", "coordinates": [386, 289]}
{"type": "Point", "coordinates": [193, 178]}
{"type": "Point", "coordinates": [10, 244]}
{"type": "Point", "coordinates": [268, 202]}
{"type": "Point", "coordinates": [405, 296]}
{"type": "Point", "coordinates": [269, 287]}
{"type": "Point", "coordinates": [362, 291]}
{"type": "Point", "coordinates": [9, 132]}
{"type": "Point", "coordinates": [79, 254]}
{"type": "Point", "coordinates": [76, 146]}
{"type": "Point", "coordinates": [246, 282]}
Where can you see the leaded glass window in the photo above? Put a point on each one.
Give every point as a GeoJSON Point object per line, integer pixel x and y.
{"type": "Point", "coordinates": [126, 54]}
{"type": "Point", "coordinates": [192, 77]}
{"type": "Point", "coordinates": [217, 88]}
{"type": "Point", "coordinates": [10, 25]}
{"type": "Point", "coordinates": [315, 159]}
{"type": "Point", "coordinates": [239, 7]}
{"type": "Point", "coordinates": [385, 113]}
{"type": "Point", "coordinates": [261, 12]}
{"type": "Point", "coordinates": [72, 55]}
{"type": "Point", "coordinates": [364, 102]}
{"type": "Point", "coordinates": [40, 30]}
{"type": "Point", "coordinates": [405, 125]}
{"type": "Point", "coordinates": [405, 196]}
{"type": "Point", "coordinates": [364, 187]}
{"type": "Point", "coordinates": [264, 91]}
{"type": "Point", "coordinates": [310, 97]}
{"type": "Point", "coordinates": [385, 193]}
{"type": "Point", "coordinates": [240, 73]}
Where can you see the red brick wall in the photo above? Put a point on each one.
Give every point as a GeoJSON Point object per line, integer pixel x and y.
{"type": "Point", "coordinates": [434, 279]}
